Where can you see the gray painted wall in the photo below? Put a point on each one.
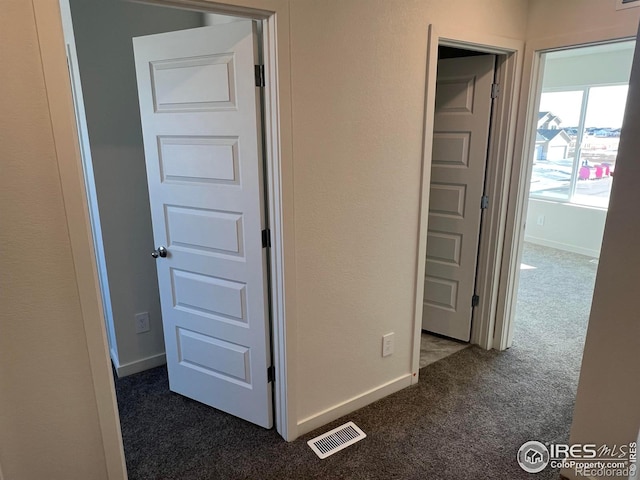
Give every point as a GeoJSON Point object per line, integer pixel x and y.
{"type": "Point", "coordinates": [103, 32]}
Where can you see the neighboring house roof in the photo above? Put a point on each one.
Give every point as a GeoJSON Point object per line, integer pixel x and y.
{"type": "Point", "coordinates": [544, 135]}
{"type": "Point", "coordinates": [541, 115]}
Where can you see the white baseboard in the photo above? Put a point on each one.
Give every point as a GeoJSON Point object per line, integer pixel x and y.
{"type": "Point", "coordinates": [563, 246]}
{"type": "Point", "coordinates": [322, 418]}
{"type": "Point", "coordinates": [114, 358]}
{"type": "Point", "coordinates": [141, 365]}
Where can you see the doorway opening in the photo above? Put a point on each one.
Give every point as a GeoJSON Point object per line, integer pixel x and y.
{"type": "Point", "coordinates": [467, 90]}
{"type": "Point", "coordinates": [579, 107]}
{"type": "Point", "coordinates": [204, 205]}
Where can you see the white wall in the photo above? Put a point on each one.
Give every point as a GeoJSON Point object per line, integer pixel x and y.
{"type": "Point", "coordinates": [594, 20]}
{"type": "Point", "coordinates": [569, 227]}
{"type": "Point", "coordinates": [103, 32]}
{"type": "Point", "coordinates": [49, 421]}
{"type": "Point", "coordinates": [358, 81]}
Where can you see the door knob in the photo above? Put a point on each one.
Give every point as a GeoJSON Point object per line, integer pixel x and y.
{"type": "Point", "coordinates": [159, 252]}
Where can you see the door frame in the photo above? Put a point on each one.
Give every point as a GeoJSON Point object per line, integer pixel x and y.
{"type": "Point", "coordinates": [500, 160]}
{"type": "Point", "coordinates": [279, 181]}
{"type": "Point", "coordinates": [521, 174]}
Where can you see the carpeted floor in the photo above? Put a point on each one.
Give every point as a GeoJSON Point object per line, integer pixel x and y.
{"type": "Point", "coordinates": [466, 418]}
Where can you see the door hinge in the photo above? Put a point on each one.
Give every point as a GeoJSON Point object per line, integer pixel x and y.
{"type": "Point", "coordinates": [266, 238]}
{"type": "Point", "coordinates": [484, 202]}
{"type": "Point", "coordinates": [495, 90]}
{"type": "Point", "coordinates": [271, 374]}
{"type": "Point", "coordinates": [259, 71]}
{"type": "Point", "coordinates": [475, 301]}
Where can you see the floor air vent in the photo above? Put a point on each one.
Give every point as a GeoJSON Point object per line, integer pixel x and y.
{"type": "Point", "coordinates": [331, 442]}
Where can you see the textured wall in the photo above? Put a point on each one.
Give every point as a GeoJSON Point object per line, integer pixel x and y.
{"type": "Point", "coordinates": [49, 427]}
{"type": "Point", "coordinates": [358, 99]}
{"type": "Point", "coordinates": [596, 18]}
{"type": "Point", "coordinates": [358, 82]}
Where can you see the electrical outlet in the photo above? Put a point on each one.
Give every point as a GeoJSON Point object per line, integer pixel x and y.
{"type": "Point", "coordinates": [142, 322]}
{"type": "Point", "coordinates": [387, 344]}
{"type": "Point", "coordinates": [541, 220]}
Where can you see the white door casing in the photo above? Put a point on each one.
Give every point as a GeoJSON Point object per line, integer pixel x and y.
{"type": "Point", "coordinates": [460, 143]}
{"type": "Point", "coordinates": [202, 138]}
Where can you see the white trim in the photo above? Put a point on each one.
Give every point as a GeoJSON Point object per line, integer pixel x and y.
{"type": "Point", "coordinates": [521, 172]}
{"type": "Point", "coordinates": [567, 247]}
{"type": "Point", "coordinates": [115, 361]}
{"type": "Point", "coordinates": [498, 174]}
{"type": "Point", "coordinates": [425, 184]}
{"type": "Point", "coordinates": [141, 365]}
{"type": "Point", "coordinates": [332, 413]}
{"type": "Point", "coordinates": [271, 124]}
{"type": "Point", "coordinates": [65, 134]}
{"type": "Point", "coordinates": [89, 178]}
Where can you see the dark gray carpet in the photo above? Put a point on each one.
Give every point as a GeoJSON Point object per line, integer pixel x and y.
{"type": "Point", "coordinates": [465, 419]}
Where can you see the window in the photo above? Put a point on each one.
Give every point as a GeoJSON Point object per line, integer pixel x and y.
{"type": "Point", "coordinates": [584, 92]}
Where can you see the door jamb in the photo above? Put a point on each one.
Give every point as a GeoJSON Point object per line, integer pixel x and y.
{"type": "Point", "coordinates": [65, 134]}
{"type": "Point", "coordinates": [90, 184]}
{"type": "Point", "coordinates": [497, 178]}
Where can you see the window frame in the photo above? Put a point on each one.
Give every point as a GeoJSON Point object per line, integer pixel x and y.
{"type": "Point", "coordinates": [573, 184]}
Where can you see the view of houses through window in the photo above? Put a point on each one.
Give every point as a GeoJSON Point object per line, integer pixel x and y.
{"type": "Point", "coordinates": [578, 125]}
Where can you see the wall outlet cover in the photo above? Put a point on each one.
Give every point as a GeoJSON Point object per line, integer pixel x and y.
{"type": "Point", "coordinates": [387, 344]}
{"type": "Point", "coordinates": [142, 322]}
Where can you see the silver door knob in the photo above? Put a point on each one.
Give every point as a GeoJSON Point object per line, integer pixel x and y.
{"type": "Point", "coordinates": [159, 252]}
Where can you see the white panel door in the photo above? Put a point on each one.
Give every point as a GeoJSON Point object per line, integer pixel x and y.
{"type": "Point", "coordinates": [199, 107]}
{"type": "Point", "coordinates": [460, 140]}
